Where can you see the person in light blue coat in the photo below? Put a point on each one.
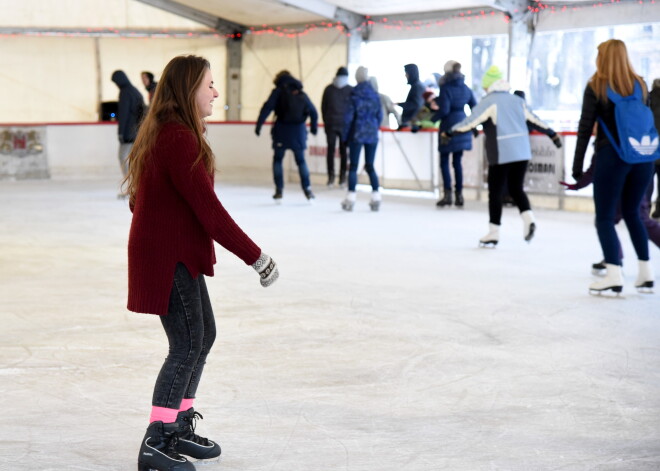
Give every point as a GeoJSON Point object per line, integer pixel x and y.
{"type": "Point", "coordinates": [504, 117]}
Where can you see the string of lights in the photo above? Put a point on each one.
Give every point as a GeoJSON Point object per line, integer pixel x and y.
{"type": "Point", "coordinates": [293, 31]}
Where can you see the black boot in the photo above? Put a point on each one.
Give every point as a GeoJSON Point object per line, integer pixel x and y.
{"type": "Point", "coordinates": [445, 201]}
{"type": "Point", "coordinates": [459, 198]}
{"type": "Point", "coordinates": [191, 444]}
{"type": "Point", "coordinates": [158, 449]}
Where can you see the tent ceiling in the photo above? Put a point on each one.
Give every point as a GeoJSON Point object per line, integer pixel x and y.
{"type": "Point", "coordinates": [278, 12]}
{"type": "Point", "coordinates": [230, 15]}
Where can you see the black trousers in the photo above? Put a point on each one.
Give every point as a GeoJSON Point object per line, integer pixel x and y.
{"type": "Point", "coordinates": [332, 136]}
{"type": "Point", "coordinates": [511, 175]}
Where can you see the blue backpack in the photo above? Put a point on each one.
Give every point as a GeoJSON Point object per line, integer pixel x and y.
{"type": "Point", "coordinates": [638, 136]}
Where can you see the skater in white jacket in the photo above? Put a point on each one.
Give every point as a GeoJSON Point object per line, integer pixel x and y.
{"type": "Point", "coordinates": [504, 117]}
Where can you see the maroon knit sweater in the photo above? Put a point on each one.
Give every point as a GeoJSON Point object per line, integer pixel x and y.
{"type": "Point", "coordinates": [176, 218]}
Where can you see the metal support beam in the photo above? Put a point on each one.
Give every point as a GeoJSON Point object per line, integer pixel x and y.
{"type": "Point", "coordinates": [219, 24]}
{"type": "Point", "coordinates": [354, 52]}
{"type": "Point", "coordinates": [233, 90]}
{"type": "Point", "coordinates": [521, 31]}
{"type": "Point", "coordinates": [322, 8]}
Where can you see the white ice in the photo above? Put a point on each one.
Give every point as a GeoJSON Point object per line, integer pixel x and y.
{"type": "Point", "coordinates": [390, 341]}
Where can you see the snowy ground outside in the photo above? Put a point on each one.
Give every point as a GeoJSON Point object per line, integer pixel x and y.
{"type": "Point", "coordinates": [391, 342]}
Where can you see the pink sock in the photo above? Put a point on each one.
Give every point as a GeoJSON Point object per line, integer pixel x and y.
{"type": "Point", "coordinates": [186, 403]}
{"type": "Point", "coordinates": [165, 415]}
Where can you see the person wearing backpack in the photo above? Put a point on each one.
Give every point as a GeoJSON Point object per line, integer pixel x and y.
{"type": "Point", "coordinates": [624, 158]}
{"type": "Point", "coordinates": [292, 107]}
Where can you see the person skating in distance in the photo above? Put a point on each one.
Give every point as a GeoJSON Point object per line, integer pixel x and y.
{"type": "Point", "coordinates": [504, 117]}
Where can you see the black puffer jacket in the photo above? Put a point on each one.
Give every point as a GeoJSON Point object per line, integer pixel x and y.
{"type": "Point", "coordinates": [333, 105]}
{"type": "Point", "coordinates": [414, 100]}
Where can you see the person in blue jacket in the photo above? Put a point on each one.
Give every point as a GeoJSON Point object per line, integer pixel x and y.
{"type": "Point", "coordinates": [454, 95]}
{"type": "Point", "coordinates": [504, 117]}
{"type": "Point", "coordinates": [414, 101]}
{"type": "Point", "coordinates": [292, 108]}
{"type": "Point", "coordinates": [362, 124]}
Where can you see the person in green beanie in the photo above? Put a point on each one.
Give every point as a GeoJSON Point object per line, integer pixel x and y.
{"type": "Point", "coordinates": [504, 117]}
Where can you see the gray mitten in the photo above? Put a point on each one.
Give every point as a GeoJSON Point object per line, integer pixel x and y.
{"type": "Point", "coordinates": [267, 269]}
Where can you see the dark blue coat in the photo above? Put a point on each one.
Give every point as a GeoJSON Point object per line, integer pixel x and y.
{"type": "Point", "coordinates": [129, 108]}
{"type": "Point", "coordinates": [363, 115]}
{"type": "Point", "coordinates": [288, 136]}
{"type": "Point", "coordinates": [414, 101]}
{"type": "Point", "coordinates": [454, 95]}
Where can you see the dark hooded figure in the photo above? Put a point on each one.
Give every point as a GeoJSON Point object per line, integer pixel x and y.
{"type": "Point", "coordinates": [414, 102]}
{"type": "Point", "coordinates": [292, 108]}
{"type": "Point", "coordinates": [129, 113]}
{"type": "Point", "coordinates": [333, 107]}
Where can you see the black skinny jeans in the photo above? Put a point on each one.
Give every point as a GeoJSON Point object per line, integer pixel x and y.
{"type": "Point", "coordinates": [190, 329]}
{"type": "Point", "coordinates": [513, 175]}
{"type": "Point", "coordinates": [332, 136]}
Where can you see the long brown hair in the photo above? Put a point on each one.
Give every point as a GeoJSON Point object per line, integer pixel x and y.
{"type": "Point", "coordinates": [174, 101]}
{"type": "Point", "coordinates": [613, 68]}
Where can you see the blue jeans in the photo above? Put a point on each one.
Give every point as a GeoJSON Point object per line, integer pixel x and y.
{"type": "Point", "coordinates": [617, 181]}
{"type": "Point", "coordinates": [458, 170]}
{"type": "Point", "coordinates": [278, 173]}
{"type": "Point", "coordinates": [190, 329]}
{"type": "Point", "coordinates": [369, 157]}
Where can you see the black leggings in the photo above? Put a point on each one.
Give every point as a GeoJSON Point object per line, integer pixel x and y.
{"type": "Point", "coordinates": [512, 175]}
{"type": "Point", "coordinates": [190, 329]}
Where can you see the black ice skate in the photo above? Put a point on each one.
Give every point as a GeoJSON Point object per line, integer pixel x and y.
{"type": "Point", "coordinates": [191, 444]}
{"type": "Point", "coordinates": [277, 197]}
{"type": "Point", "coordinates": [309, 195]}
{"type": "Point", "coordinates": [445, 201]}
{"type": "Point", "coordinates": [158, 450]}
{"type": "Point", "coordinates": [459, 199]}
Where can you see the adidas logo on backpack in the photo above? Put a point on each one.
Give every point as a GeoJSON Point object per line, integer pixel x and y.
{"type": "Point", "coordinates": [646, 147]}
{"type": "Point", "coordinates": [638, 136]}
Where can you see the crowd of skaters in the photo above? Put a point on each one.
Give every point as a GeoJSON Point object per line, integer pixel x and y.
{"type": "Point", "coordinates": [177, 214]}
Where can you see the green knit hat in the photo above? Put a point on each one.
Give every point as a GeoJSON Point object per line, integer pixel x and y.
{"type": "Point", "coordinates": [492, 75]}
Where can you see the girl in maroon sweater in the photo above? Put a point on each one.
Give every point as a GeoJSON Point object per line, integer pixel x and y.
{"type": "Point", "coordinates": [176, 218]}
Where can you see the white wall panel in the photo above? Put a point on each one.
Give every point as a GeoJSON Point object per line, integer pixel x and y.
{"type": "Point", "coordinates": [51, 79]}
{"type": "Point", "coordinates": [136, 55]}
{"type": "Point", "coordinates": [89, 14]}
{"type": "Point", "coordinates": [321, 53]}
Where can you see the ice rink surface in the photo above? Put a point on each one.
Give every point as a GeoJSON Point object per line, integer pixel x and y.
{"type": "Point", "coordinates": [391, 342]}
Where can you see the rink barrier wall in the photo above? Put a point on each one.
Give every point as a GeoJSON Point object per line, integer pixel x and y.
{"type": "Point", "coordinates": [404, 160]}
